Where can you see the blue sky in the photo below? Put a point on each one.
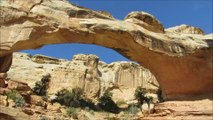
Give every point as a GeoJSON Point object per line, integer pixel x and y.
{"type": "Point", "coordinates": [169, 12]}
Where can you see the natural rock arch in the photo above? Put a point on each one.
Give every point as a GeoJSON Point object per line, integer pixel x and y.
{"type": "Point", "coordinates": [182, 63]}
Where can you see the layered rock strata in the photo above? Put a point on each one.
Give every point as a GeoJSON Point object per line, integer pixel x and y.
{"type": "Point", "coordinates": [84, 71]}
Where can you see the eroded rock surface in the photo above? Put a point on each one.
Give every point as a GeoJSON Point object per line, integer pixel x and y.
{"type": "Point", "coordinates": [187, 110]}
{"type": "Point", "coordinates": [146, 21]}
{"type": "Point", "coordinates": [84, 71]}
{"type": "Point", "coordinates": [182, 63]}
{"type": "Point", "coordinates": [186, 29]}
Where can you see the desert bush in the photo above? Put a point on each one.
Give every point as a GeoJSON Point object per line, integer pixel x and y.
{"type": "Point", "coordinates": [87, 103]}
{"type": "Point", "coordinates": [131, 111]}
{"type": "Point", "coordinates": [141, 97]}
{"type": "Point", "coordinates": [72, 112]}
{"type": "Point", "coordinates": [43, 118]}
{"type": "Point", "coordinates": [64, 97]}
{"type": "Point", "coordinates": [73, 98]}
{"type": "Point", "coordinates": [17, 98]}
{"type": "Point", "coordinates": [107, 104]}
{"type": "Point", "coordinates": [42, 86]}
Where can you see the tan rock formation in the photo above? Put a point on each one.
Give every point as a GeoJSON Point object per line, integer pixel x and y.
{"type": "Point", "coordinates": [7, 113]}
{"type": "Point", "coordinates": [187, 110]}
{"type": "Point", "coordinates": [2, 83]}
{"type": "Point", "coordinates": [84, 71]}
{"type": "Point", "coordinates": [146, 21]}
{"type": "Point", "coordinates": [37, 100]}
{"type": "Point", "coordinates": [19, 86]}
{"type": "Point", "coordinates": [185, 29]}
{"type": "Point", "coordinates": [3, 75]}
{"type": "Point", "coordinates": [91, 81]}
{"type": "Point", "coordinates": [5, 62]}
{"type": "Point", "coordinates": [182, 63]}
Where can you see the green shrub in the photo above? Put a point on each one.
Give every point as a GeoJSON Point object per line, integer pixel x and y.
{"type": "Point", "coordinates": [17, 98]}
{"type": "Point", "coordinates": [42, 86]}
{"type": "Point", "coordinates": [64, 97]}
{"type": "Point", "coordinates": [73, 98]}
{"type": "Point", "coordinates": [149, 100]}
{"type": "Point", "coordinates": [44, 118]}
{"type": "Point", "coordinates": [131, 111]}
{"type": "Point", "coordinates": [87, 103]}
{"type": "Point", "coordinates": [72, 112]}
{"type": "Point", "coordinates": [77, 97]}
{"type": "Point", "coordinates": [141, 97]}
{"type": "Point", "coordinates": [107, 104]}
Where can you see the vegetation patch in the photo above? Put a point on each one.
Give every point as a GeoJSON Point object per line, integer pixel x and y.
{"type": "Point", "coordinates": [42, 86]}
{"type": "Point", "coordinates": [73, 98]}
{"type": "Point", "coordinates": [107, 104]}
{"type": "Point", "coordinates": [141, 97]}
{"type": "Point", "coordinates": [17, 98]}
{"type": "Point", "coordinates": [131, 111]}
{"type": "Point", "coordinates": [72, 112]}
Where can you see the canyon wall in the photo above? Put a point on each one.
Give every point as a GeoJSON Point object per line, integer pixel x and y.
{"type": "Point", "coordinates": [84, 71]}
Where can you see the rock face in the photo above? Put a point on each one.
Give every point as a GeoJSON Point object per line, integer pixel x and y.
{"type": "Point", "coordinates": [185, 29]}
{"type": "Point", "coordinates": [188, 110]}
{"type": "Point", "coordinates": [19, 86]}
{"type": "Point", "coordinates": [146, 21]}
{"type": "Point", "coordinates": [182, 63]}
{"type": "Point", "coordinates": [84, 71]}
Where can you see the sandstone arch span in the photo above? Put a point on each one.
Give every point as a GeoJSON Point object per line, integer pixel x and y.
{"type": "Point", "coordinates": [182, 63]}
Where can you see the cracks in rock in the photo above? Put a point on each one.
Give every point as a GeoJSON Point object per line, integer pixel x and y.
{"type": "Point", "coordinates": [41, 1]}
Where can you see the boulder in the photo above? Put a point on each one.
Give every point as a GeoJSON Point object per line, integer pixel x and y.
{"type": "Point", "coordinates": [2, 83]}
{"type": "Point", "coordinates": [11, 103]}
{"type": "Point", "coordinates": [4, 91]}
{"type": "Point", "coordinates": [146, 21]}
{"type": "Point", "coordinates": [5, 62]}
{"type": "Point", "coordinates": [3, 75]}
{"type": "Point", "coordinates": [28, 111]}
{"type": "Point", "coordinates": [37, 100]}
{"type": "Point", "coordinates": [3, 100]}
{"type": "Point", "coordinates": [54, 107]}
{"type": "Point", "coordinates": [17, 85]}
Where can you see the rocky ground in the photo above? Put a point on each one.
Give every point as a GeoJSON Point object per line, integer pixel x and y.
{"type": "Point", "coordinates": [183, 110]}
{"type": "Point", "coordinates": [38, 109]}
